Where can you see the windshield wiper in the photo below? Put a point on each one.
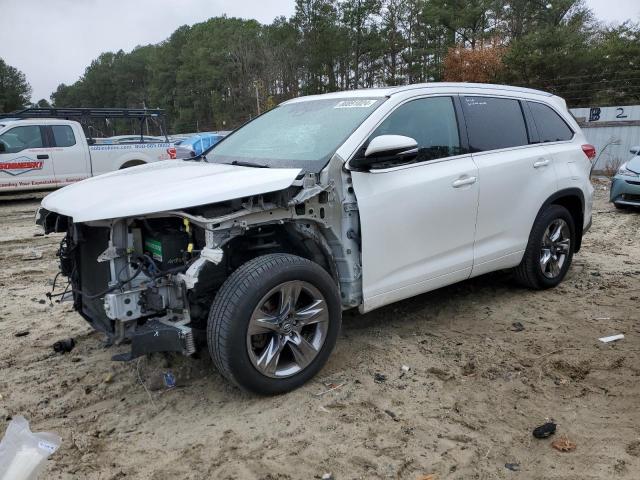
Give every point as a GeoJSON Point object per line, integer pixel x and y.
{"type": "Point", "coordinates": [240, 163]}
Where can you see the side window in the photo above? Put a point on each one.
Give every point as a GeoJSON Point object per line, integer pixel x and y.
{"type": "Point", "coordinates": [494, 123]}
{"type": "Point", "coordinates": [551, 126]}
{"type": "Point", "coordinates": [431, 122]}
{"type": "Point", "coordinates": [63, 136]}
{"type": "Point", "coordinates": [21, 138]}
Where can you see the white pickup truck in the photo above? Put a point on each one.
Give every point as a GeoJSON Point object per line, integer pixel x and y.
{"type": "Point", "coordinates": [40, 154]}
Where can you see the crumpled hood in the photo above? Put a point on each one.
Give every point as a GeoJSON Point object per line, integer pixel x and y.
{"type": "Point", "coordinates": [163, 186]}
{"type": "Point", "coordinates": [634, 164]}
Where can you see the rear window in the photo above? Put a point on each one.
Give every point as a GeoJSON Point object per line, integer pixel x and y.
{"type": "Point", "coordinates": [494, 123]}
{"type": "Point", "coordinates": [63, 136]}
{"type": "Point", "coordinates": [551, 126]}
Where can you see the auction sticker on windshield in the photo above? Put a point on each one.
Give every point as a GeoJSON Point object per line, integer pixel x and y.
{"type": "Point", "coordinates": [355, 104]}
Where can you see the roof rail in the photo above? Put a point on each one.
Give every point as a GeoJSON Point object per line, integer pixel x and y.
{"type": "Point", "coordinates": [85, 113]}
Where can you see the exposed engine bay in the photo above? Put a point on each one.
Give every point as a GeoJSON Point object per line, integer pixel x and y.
{"type": "Point", "coordinates": [151, 280]}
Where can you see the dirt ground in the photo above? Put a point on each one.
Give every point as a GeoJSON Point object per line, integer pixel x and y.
{"type": "Point", "coordinates": [475, 390]}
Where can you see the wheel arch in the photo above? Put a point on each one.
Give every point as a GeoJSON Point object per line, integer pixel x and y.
{"type": "Point", "coordinates": [132, 163]}
{"type": "Point", "coordinates": [573, 200]}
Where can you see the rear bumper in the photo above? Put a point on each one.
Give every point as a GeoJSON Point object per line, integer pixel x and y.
{"type": "Point", "coordinates": [625, 190]}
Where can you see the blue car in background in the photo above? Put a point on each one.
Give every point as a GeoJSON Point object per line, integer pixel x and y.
{"type": "Point", "coordinates": [196, 144]}
{"type": "Point", "coordinates": [625, 186]}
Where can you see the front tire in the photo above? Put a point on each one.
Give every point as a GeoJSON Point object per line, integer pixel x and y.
{"type": "Point", "coordinates": [549, 251]}
{"type": "Point", "coordinates": [274, 323]}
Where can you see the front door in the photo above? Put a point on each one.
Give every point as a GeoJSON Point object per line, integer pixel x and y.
{"type": "Point", "coordinates": [25, 160]}
{"type": "Point", "coordinates": [418, 220]}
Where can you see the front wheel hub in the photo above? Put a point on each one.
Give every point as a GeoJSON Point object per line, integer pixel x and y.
{"type": "Point", "coordinates": [556, 245]}
{"type": "Point", "coordinates": [287, 329]}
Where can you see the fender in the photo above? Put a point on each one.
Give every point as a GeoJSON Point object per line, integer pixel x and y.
{"type": "Point", "coordinates": [567, 193]}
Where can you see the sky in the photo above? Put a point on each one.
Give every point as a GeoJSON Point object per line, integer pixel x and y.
{"type": "Point", "coordinates": [53, 41]}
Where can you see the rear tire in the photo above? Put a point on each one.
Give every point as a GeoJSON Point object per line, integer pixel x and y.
{"type": "Point", "coordinates": [549, 251]}
{"type": "Point", "coordinates": [274, 323]}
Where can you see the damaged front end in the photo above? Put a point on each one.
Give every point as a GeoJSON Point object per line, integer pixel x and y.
{"type": "Point", "coordinates": [124, 280]}
{"type": "Point", "coordinates": [151, 279]}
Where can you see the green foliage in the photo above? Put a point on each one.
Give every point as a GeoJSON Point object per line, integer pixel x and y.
{"type": "Point", "coordinates": [219, 73]}
{"type": "Point", "coordinates": [15, 92]}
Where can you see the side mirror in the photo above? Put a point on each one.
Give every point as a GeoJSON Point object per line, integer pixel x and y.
{"type": "Point", "coordinates": [635, 150]}
{"type": "Point", "coordinates": [384, 149]}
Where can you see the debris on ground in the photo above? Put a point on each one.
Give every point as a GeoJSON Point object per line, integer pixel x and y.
{"type": "Point", "coordinates": [517, 327]}
{"type": "Point", "coordinates": [611, 338]}
{"type": "Point", "coordinates": [405, 368]}
{"type": "Point", "coordinates": [392, 415]}
{"type": "Point", "coordinates": [514, 467]}
{"type": "Point", "coordinates": [330, 388]}
{"type": "Point", "coordinates": [64, 346]}
{"type": "Point", "coordinates": [24, 453]}
{"type": "Point", "coordinates": [430, 476]}
{"type": "Point", "coordinates": [379, 378]}
{"type": "Point", "coordinates": [108, 377]}
{"type": "Point", "coordinates": [22, 333]}
{"type": "Point", "coordinates": [545, 431]}
{"type": "Point", "coordinates": [328, 476]}
{"type": "Point", "coordinates": [563, 444]}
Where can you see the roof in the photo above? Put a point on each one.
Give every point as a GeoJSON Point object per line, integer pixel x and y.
{"type": "Point", "coordinates": [388, 91]}
{"type": "Point", "coordinates": [36, 121]}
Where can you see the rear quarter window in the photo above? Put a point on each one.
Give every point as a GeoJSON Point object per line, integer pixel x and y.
{"type": "Point", "coordinates": [551, 127]}
{"type": "Point", "coordinates": [63, 136]}
{"type": "Point", "coordinates": [494, 123]}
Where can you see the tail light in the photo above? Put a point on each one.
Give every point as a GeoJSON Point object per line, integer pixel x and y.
{"type": "Point", "coordinates": [173, 154]}
{"type": "Point", "coordinates": [589, 151]}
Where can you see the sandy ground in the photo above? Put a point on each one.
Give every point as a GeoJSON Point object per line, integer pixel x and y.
{"type": "Point", "coordinates": [475, 389]}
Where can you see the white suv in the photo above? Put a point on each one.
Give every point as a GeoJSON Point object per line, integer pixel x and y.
{"type": "Point", "coordinates": [325, 203]}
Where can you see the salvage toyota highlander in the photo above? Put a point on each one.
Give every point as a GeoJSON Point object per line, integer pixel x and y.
{"type": "Point", "coordinates": [325, 203]}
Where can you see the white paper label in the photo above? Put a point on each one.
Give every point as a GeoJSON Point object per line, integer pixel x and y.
{"type": "Point", "coordinates": [47, 447]}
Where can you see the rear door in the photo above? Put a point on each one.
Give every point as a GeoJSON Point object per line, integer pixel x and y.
{"type": "Point", "coordinates": [25, 159]}
{"type": "Point", "coordinates": [516, 175]}
{"type": "Point", "coordinates": [70, 154]}
{"type": "Point", "coordinates": [418, 220]}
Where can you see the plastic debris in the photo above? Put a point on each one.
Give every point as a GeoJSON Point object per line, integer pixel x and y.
{"type": "Point", "coordinates": [430, 476]}
{"type": "Point", "coordinates": [392, 415]}
{"type": "Point", "coordinates": [545, 431]}
{"type": "Point", "coordinates": [405, 368]}
{"type": "Point", "coordinates": [64, 346]}
{"type": "Point", "coordinates": [611, 338]}
{"type": "Point", "coordinates": [22, 333]}
{"type": "Point", "coordinates": [169, 379]}
{"type": "Point", "coordinates": [563, 444]}
{"type": "Point", "coordinates": [514, 467]}
{"type": "Point", "coordinates": [328, 476]}
{"type": "Point", "coordinates": [23, 454]}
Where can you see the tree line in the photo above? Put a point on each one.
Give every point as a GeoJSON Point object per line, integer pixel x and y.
{"type": "Point", "coordinates": [219, 73]}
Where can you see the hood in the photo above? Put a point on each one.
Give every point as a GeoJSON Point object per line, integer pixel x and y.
{"type": "Point", "coordinates": [163, 186]}
{"type": "Point", "coordinates": [634, 164]}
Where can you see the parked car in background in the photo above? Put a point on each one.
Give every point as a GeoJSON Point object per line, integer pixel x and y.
{"type": "Point", "coordinates": [37, 154]}
{"type": "Point", "coordinates": [196, 144]}
{"type": "Point", "coordinates": [346, 200]}
{"type": "Point", "coordinates": [625, 186]}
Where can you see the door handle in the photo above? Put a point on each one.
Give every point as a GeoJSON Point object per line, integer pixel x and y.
{"type": "Point", "coordinates": [43, 157]}
{"type": "Point", "coordinates": [462, 181]}
{"type": "Point", "coordinates": [543, 162]}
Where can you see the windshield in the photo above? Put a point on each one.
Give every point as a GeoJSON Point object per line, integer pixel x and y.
{"type": "Point", "coordinates": [298, 135]}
